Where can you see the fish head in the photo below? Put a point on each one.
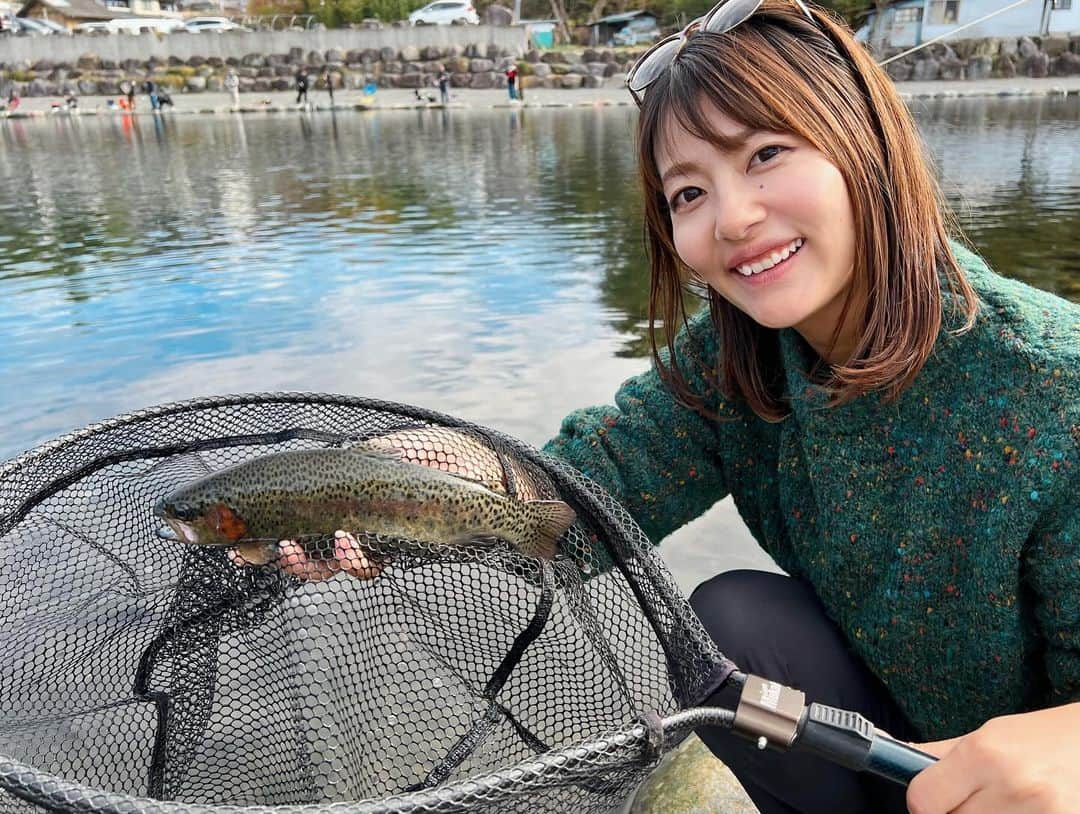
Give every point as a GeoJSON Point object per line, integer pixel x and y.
{"type": "Point", "coordinates": [212, 523]}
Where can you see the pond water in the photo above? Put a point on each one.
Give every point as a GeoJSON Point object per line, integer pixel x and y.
{"type": "Point", "coordinates": [485, 264]}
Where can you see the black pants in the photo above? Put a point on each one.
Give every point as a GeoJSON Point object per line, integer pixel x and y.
{"type": "Point", "coordinates": [775, 627]}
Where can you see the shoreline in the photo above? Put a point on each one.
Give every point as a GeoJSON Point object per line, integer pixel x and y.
{"type": "Point", "coordinates": [611, 93]}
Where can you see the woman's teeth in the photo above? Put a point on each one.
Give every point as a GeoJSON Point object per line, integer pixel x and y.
{"type": "Point", "coordinates": [765, 263]}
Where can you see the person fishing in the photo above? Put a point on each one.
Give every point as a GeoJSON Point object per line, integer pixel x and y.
{"type": "Point", "coordinates": [898, 426]}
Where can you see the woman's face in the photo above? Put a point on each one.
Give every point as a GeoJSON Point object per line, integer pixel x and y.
{"type": "Point", "coordinates": [769, 227]}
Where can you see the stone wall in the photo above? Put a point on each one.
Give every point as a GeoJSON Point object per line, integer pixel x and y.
{"type": "Point", "coordinates": [477, 64]}
{"type": "Point", "coordinates": [471, 66]}
{"type": "Point", "coordinates": [237, 44]}
{"type": "Point", "coordinates": [990, 58]}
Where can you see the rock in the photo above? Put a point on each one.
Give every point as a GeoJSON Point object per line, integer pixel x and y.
{"type": "Point", "coordinates": [1027, 48]}
{"type": "Point", "coordinates": [552, 57]}
{"type": "Point", "coordinates": [483, 81]}
{"type": "Point", "coordinates": [215, 84]}
{"type": "Point", "coordinates": [532, 55]}
{"type": "Point", "coordinates": [572, 81]}
{"type": "Point", "coordinates": [593, 81]}
{"type": "Point", "coordinates": [951, 69]}
{"type": "Point", "coordinates": [1068, 64]}
{"type": "Point", "coordinates": [196, 84]}
{"type": "Point", "coordinates": [1055, 46]}
{"type": "Point", "coordinates": [481, 66]}
{"type": "Point", "coordinates": [246, 85]}
{"type": "Point", "coordinates": [277, 59]}
{"type": "Point", "coordinates": [371, 24]}
{"type": "Point", "coordinates": [1005, 66]}
{"type": "Point", "coordinates": [410, 53]}
{"type": "Point", "coordinates": [88, 62]}
{"type": "Point", "coordinates": [926, 69]}
{"type": "Point", "coordinates": [266, 70]}
{"type": "Point", "coordinates": [1037, 66]}
{"type": "Point", "coordinates": [411, 80]}
{"type": "Point", "coordinates": [561, 68]}
{"type": "Point", "coordinates": [492, 51]}
{"type": "Point", "coordinates": [979, 67]}
{"type": "Point", "coordinates": [335, 55]}
{"type": "Point", "coordinates": [1009, 46]}
{"type": "Point", "coordinates": [590, 55]}
{"type": "Point", "coordinates": [542, 70]}
{"type": "Point", "coordinates": [196, 61]}
{"type": "Point", "coordinates": [595, 69]}
{"type": "Point", "coordinates": [247, 73]}
{"type": "Point", "coordinates": [283, 70]}
{"type": "Point", "coordinates": [689, 780]}
{"type": "Point", "coordinates": [43, 66]}
{"type": "Point", "coordinates": [280, 83]}
{"type": "Point", "coordinates": [460, 80]}
{"type": "Point", "coordinates": [215, 62]}
{"type": "Point", "coordinates": [457, 65]}
{"type": "Point", "coordinates": [315, 59]}
{"type": "Point", "coordinates": [253, 60]}
{"type": "Point", "coordinates": [387, 54]}
{"type": "Point", "coordinates": [296, 55]}
{"type": "Point", "coordinates": [262, 85]}
{"type": "Point", "coordinates": [610, 69]}
{"type": "Point", "coordinates": [498, 15]}
{"type": "Point", "coordinates": [429, 53]}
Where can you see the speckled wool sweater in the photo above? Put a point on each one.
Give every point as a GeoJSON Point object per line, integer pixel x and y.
{"type": "Point", "coordinates": [941, 530]}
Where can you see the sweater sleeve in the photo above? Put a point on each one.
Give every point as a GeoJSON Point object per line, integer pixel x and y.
{"type": "Point", "coordinates": [1053, 572]}
{"type": "Point", "coordinates": [658, 458]}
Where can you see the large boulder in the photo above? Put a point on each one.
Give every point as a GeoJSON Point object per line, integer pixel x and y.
{"type": "Point", "coordinates": [315, 59]}
{"type": "Point", "coordinates": [572, 81]}
{"type": "Point", "coordinates": [1055, 46]}
{"type": "Point", "coordinates": [253, 60]}
{"type": "Point", "coordinates": [1068, 64]}
{"type": "Point", "coordinates": [431, 52]}
{"type": "Point", "coordinates": [542, 70]}
{"type": "Point", "coordinates": [485, 81]}
{"type": "Point", "coordinates": [410, 53]}
{"type": "Point", "coordinates": [335, 55]}
{"type": "Point", "coordinates": [387, 54]}
{"type": "Point", "coordinates": [926, 69]}
{"type": "Point", "coordinates": [1037, 66]}
{"type": "Point", "coordinates": [1027, 48]}
{"type": "Point", "coordinates": [196, 84]}
{"type": "Point", "coordinates": [88, 62]}
{"type": "Point", "coordinates": [481, 66]}
{"type": "Point", "coordinates": [979, 67]}
{"type": "Point", "coordinates": [1005, 66]}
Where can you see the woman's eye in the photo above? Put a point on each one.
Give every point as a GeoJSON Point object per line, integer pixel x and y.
{"type": "Point", "coordinates": [767, 153]}
{"type": "Point", "coordinates": [685, 196]}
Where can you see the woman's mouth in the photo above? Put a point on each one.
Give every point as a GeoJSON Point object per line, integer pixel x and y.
{"type": "Point", "coordinates": [768, 267]}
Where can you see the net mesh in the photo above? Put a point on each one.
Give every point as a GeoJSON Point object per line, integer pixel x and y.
{"type": "Point", "coordinates": [141, 674]}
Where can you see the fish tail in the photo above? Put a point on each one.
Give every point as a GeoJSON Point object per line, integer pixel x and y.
{"type": "Point", "coordinates": [551, 520]}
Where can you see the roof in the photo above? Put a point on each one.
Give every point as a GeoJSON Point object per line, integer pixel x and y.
{"type": "Point", "coordinates": [75, 9]}
{"type": "Point", "coordinates": [625, 17]}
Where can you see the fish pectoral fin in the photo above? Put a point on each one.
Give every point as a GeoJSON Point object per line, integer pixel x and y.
{"type": "Point", "coordinates": [553, 518]}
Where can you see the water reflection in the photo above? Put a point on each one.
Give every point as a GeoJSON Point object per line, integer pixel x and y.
{"type": "Point", "coordinates": [486, 264]}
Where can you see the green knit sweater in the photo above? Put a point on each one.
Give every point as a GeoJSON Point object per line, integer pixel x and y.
{"type": "Point", "coordinates": [940, 530]}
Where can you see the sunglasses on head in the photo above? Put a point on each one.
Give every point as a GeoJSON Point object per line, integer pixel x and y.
{"type": "Point", "coordinates": [724, 16]}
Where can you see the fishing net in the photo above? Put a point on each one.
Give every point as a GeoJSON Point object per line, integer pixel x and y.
{"type": "Point", "coordinates": [142, 674]}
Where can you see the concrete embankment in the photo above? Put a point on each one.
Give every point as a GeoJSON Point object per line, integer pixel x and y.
{"type": "Point", "coordinates": [611, 93]}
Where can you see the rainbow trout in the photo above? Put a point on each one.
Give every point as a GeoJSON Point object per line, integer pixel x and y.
{"type": "Point", "coordinates": [363, 490]}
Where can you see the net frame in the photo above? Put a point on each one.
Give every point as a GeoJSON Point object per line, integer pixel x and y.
{"type": "Point", "coordinates": [694, 665]}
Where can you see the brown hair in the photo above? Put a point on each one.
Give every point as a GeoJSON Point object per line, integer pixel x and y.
{"type": "Point", "coordinates": [779, 72]}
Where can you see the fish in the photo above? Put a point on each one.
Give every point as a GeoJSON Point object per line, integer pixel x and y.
{"type": "Point", "coordinates": [362, 489]}
{"type": "Point", "coordinates": [461, 454]}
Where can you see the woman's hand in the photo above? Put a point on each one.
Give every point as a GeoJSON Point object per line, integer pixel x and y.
{"type": "Point", "coordinates": [1016, 764]}
{"type": "Point", "coordinates": [349, 558]}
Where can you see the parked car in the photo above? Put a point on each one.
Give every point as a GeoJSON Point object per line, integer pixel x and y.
{"type": "Point", "coordinates": [136, 25]}
{"type": "Point", "coordinates": [52, 25]}
{"type": "Point", "coordinates": [196, 24]}
{"type": "Point", "coordinates": [88, 28]}
{"type": "Point", "coordinates": [445, 12]}
{"type": "Point", "coordinates": [637, 32]}
{"type": "Point", "coordinates": [29, 26]}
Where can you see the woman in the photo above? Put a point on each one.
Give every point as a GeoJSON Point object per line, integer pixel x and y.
{"type": "Point", "coordinates": [898, 426]}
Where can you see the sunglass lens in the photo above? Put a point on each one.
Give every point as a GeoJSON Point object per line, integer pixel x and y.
{"type": "Point", "coordinates": [653, 63]}
{"type": "Point", "coordinates": [726, 16]}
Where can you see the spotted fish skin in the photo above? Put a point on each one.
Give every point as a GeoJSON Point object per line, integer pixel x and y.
{"type": "Point", "coordinates": [459, 454]}
{"type": "Point", "coordinates": [363, 490]}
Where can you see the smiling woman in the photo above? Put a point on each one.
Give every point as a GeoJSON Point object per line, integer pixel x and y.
{"type": "Point", "coordinates": [853, 385]}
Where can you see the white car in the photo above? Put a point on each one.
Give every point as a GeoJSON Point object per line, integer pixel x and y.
{"type": "Point", "coordinates": [445, 12]}
{"type": "Point", "coordinates": [196, 24]}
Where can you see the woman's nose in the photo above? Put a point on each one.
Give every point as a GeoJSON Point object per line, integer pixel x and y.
{"type": "Point", "coordinates": [739, 208]}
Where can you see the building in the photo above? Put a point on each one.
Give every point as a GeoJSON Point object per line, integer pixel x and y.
{"type": "Point", "coordinates": [604, 30]}
{"type": "Point", "coordinates": [907, 23]}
